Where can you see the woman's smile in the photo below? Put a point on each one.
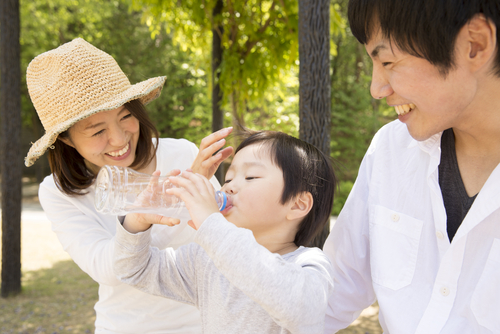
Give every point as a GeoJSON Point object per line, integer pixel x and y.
{"type": "Point", "coordinates": [120, 154]}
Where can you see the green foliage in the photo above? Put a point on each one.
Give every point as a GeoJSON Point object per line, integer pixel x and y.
{"type": "Point", "coordinates": [356, 116]}
{"type": "Point", "coordinates": [259, 69]}
{"type": "Point", "coordinates": [342, 192]}
{"type": "Point", "coordinates": [259, 39]}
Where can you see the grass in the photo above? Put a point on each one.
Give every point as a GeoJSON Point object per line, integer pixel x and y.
{"type": "Point", "coordinates": [58, 297]}
{"type": "Point", "coordinates": [55, 300]}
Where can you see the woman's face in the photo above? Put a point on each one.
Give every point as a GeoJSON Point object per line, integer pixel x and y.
{"type": "Point", "coordinates": [106, 138]}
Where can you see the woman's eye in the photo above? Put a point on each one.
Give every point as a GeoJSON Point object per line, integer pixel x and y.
{"type": "Point", "coordinates": [126, 116]}
{"type": "Point", "coordinates": [227, 181]}
{"type": "Point", "coordinates": [386, 64]}
{"type": "Point", "coordinates": [98, 133]}
{"type": "Point", "coordinates": [250, 178]}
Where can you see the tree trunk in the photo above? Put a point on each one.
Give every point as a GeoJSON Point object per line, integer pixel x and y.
{"type": "Point", "coordinates": [10, 111]}
{"type": "Point", "coordinates": [314, 80]}
{"type": "Point", "coordinates": [217, 114]}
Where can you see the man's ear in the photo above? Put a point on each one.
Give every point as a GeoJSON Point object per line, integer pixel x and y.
{"type": "Point", "coordinates": [301, 206]}
{"type": "Point", "coordinates": [477, 40]}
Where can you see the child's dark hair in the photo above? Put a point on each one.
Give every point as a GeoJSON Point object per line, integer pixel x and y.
{"type": "Point", "coordinates": [423, 28]}
{"type": "Point", "coordinates": [305, 169]}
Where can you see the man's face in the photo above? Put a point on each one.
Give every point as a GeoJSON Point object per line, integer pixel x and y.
{"type": "Point", "coordinates": [427, 101]}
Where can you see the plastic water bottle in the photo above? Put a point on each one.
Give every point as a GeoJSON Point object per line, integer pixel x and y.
{"type": "Point", "coordinates": [121, 190]}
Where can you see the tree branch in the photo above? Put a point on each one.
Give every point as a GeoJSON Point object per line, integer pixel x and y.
{"type": "Point", "coordinates": [251, 43]}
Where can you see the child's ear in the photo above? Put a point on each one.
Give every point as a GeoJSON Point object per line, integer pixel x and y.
{"type": "Point", "coordinates": [301, 206]}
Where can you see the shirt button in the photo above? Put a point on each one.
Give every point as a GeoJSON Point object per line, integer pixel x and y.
{"type": "Point", "coordinates": [440, 234]}
{"type": "Point", "coordinates": [395, 217]}
{"type": "Point", "coordinates": [444, 291]}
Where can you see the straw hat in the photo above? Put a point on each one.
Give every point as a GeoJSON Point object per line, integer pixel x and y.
{"type": "Point", "coordinates": [75, 81]}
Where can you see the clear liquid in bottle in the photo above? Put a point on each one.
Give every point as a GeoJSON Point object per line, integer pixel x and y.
{"type": "Point", "coordinates": [121, 190]}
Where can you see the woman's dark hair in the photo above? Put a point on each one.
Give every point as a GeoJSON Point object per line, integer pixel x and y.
{"type": "Point", "coordinates": [422, 28]}
{"type": "Point", "coordinates": [72, 176]}
{"type": "Point", "coordinates": [305, 169]}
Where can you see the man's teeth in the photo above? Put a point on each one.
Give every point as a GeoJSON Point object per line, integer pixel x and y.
{"type": "Point", "coordinates": [404, 109]}
{"type": "Point", "coordinates": [120, 152]}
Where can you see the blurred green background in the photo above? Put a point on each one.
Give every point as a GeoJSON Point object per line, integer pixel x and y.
{"type": "Point", "coordinates": [258, 76]}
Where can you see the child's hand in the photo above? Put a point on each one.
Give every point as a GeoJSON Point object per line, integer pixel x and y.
{"type": "Point", "coordinates": [198, 194]}
{"type": "Point", "coordinates": [138, 222]}
{"type": "Point", "coordinates": [205, 162]}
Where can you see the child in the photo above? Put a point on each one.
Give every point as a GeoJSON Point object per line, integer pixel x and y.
{"type": "Point", "coordinates": [248, 270]}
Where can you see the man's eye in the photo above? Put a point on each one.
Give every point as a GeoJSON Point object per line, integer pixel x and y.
{"type": "Point", "coordinates": [386, 64]}
{"type": "Point", "coordinates": [98, 133]}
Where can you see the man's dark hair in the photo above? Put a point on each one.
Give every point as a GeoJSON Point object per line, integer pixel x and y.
{"type": "Point", "coordinates": [68, 167]}
{"type": "Point", "coordinates": [305, 169]}
{"type": "Point", "coordinates": [422, 28]}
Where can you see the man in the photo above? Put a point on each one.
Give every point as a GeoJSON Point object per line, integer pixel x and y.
{"type": "Point", "coordinates": [420, 231]}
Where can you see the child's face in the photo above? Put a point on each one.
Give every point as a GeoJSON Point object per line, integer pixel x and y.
{"type": "Point", "coordinates": [255, 185]}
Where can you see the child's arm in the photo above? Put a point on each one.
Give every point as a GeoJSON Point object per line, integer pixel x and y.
{"type": "Point", "coordinates": [165, 273]}
{"type": "Point", "coordinates": [294, 293]}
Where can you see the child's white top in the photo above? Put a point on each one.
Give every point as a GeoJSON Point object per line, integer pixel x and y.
{"type": "Point", "coordinates": [238, 285]}
{"type": "Point", "coordinates": [88, 237]}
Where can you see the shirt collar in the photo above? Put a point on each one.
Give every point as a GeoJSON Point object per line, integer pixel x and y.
{"type": "Point", "coordinates": [432, 145]}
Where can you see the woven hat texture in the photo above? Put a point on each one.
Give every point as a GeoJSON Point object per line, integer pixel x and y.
{"type": "Point", "coordinates": [75, 81]}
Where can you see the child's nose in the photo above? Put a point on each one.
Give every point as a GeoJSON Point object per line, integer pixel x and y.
{"type": "Point", "coordinates": [229, 188]}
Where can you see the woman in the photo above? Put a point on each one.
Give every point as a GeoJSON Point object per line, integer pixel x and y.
{"type": "Point", "coordinates": [93, 116]}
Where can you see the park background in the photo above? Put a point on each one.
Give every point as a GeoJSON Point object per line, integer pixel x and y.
{"type": "Point", "coordinates": [258, 80]}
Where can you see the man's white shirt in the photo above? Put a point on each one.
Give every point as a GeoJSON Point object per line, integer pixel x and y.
{"type": "Point", "coordinates": [390, 244]}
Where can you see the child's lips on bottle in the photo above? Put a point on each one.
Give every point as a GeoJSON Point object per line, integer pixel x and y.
{"type": "Point", "coordinates": [229, 203]}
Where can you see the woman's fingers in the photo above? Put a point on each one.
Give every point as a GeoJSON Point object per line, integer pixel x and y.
{"type": "Point", "coordinates": [211, 153]}
{"type": "Point", "coordinates": [174, 172]}
{"type": "Point", "coordinates": [215, 160]}
{"type": "Point", "coordinates": [138, 222]}
{"type": "Point", "coordinates": [214, 138]}
{"type": "Point", "coordinates": [169, 221]}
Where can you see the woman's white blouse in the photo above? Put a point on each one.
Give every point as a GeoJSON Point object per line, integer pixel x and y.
{"type": "Point", "coordinates": [390, 244]}
{"type": "Point", "coordinates": [88, 237]}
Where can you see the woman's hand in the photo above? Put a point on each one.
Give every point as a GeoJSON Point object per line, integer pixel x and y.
{"type": "Point", "coordinates": [198, 194]}
{"type": "Point", "coordinates": [206, 163]}
{"type": "Point", "coordinates": [151, 196]}
{"type": "Point", "coordinates": [139, 222]}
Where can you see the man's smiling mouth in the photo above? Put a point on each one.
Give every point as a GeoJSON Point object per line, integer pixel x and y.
{"type": "Point", "coordinates": [404, 108]}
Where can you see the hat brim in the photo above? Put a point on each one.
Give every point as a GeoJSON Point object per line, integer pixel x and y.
{"type": "Point", "coordinates": [146, 91]}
